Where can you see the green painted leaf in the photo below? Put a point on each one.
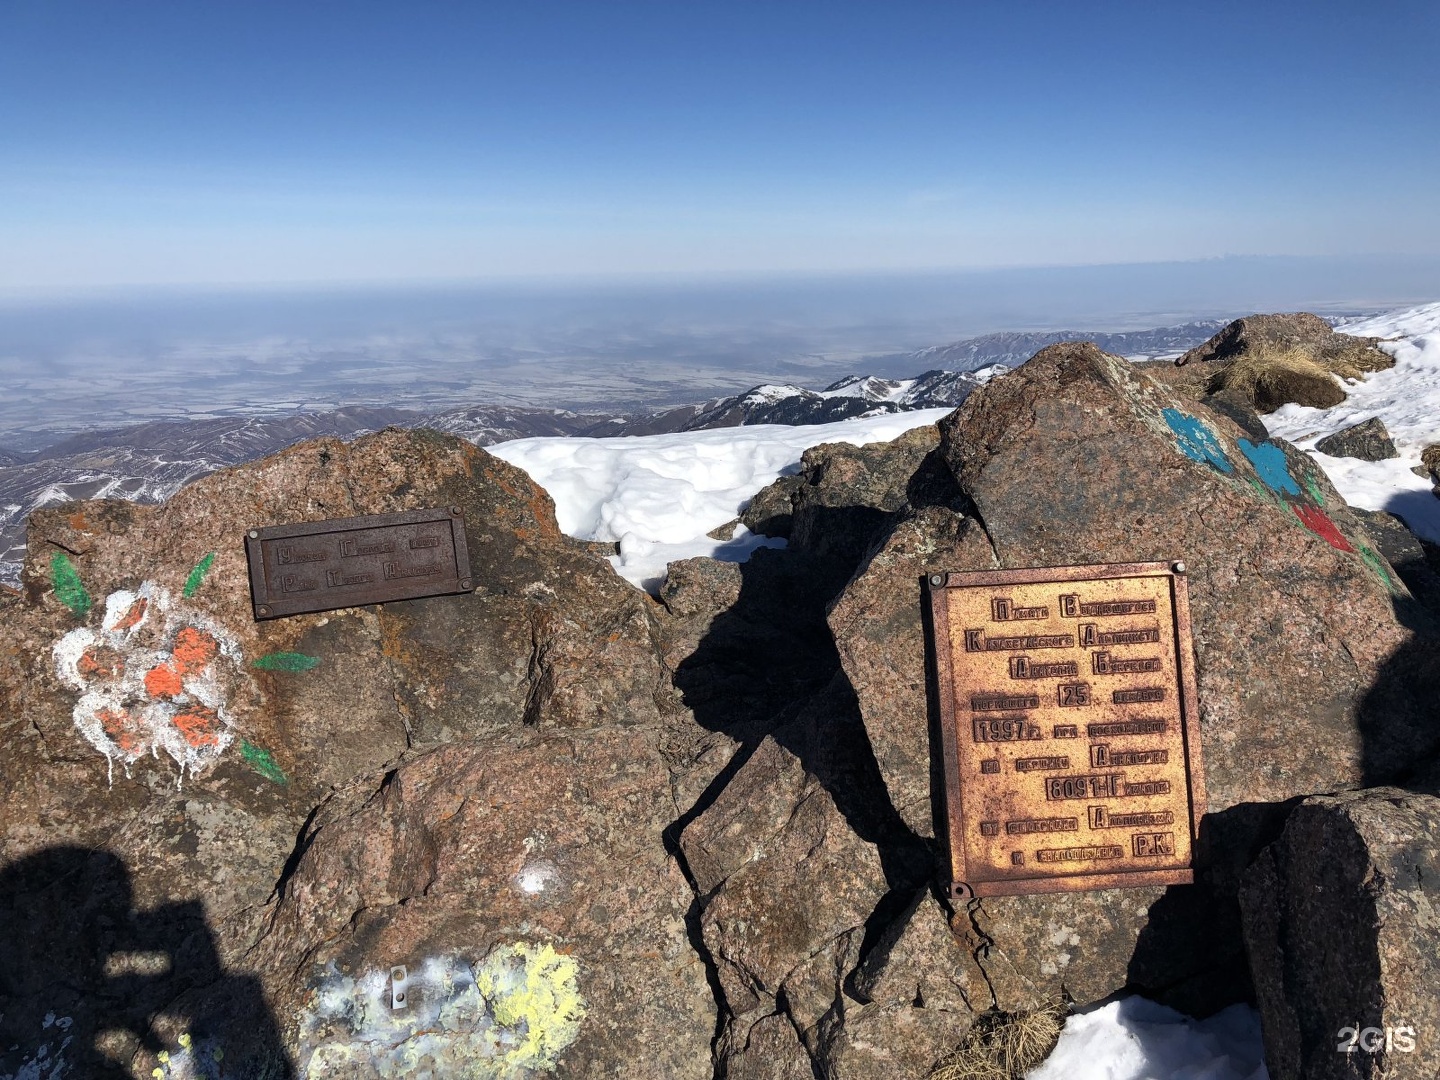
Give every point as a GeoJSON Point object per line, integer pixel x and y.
{"type": "Point", "coordinates": [259, 759]}
{"type": "Point", "coordinates": [1377, 566]}
{"type": "Point", "coordinates": [192, 583]}
{"type": "Point", "coordinates": [286, 661]}
{"type": "Point", "coordinates": [69, 589]}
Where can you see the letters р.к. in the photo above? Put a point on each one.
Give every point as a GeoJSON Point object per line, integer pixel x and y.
{"type": "Point", "coordinates": [1069, 727]}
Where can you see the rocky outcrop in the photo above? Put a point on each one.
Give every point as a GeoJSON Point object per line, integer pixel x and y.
{"type": "Point", "coordinates": [845, 496]}
{"type": "Point", "coordinates": [1340, 917]}
{"type": "Point", "coordinates": [557, 827]}
{"type": "Point", "coordinates": [1269, 360]}
{"type": "Point", "coordinates": [1079, 459]}
{"type": "Point", "coordinates": [1368, 440]}
{"type": "Point", "coordinates": [149, 719]}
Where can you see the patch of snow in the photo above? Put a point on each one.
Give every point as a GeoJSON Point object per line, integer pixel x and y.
{"type": "Point", "coordinates": [1406, 397]}
{"type": "Point", "coordinates": [989, 371]}
{"type": "Point", "coordinates": [770, 393]}
{"type": "Point", "coordinates": [870, 387]}
{"type": "Point", "coordinates": [658, 495]}
{"type": "Point", "coordinates": [1136, 1039]}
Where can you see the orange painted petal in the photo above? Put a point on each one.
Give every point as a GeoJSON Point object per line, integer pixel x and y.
{"type": "Point", "coordinates": [194, 649]}
{"type": "Point", "coordinates": [133, 616]}
{"type": "Point", "coordinates": [200, 726]}
{"type": "Point", "coordinates": [98, 660]}
{"type": "Point", "coordinates": [163, 681]}
{"type": "Point", "coordinates": [122, 729]}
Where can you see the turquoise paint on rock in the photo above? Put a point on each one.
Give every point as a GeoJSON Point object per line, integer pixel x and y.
{"type": "Point", "coordinates": [1197, 441]}
{"type": "Point", "coordinates": [1270, 465]}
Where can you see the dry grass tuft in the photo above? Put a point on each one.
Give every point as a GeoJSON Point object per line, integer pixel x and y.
{"type": "Point", "coordinates": [1004, 1046]}
{"type": "Point", "coordinates": [1272, 377]}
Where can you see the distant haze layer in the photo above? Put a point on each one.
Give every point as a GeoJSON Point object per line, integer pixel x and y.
{"type": "Point", "coordinates": [69, 363]}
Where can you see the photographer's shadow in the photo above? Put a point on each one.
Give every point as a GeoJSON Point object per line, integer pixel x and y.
{"type": "Point", "coordinates": [87, 981]}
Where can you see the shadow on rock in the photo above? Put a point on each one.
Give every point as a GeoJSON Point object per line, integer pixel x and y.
{"type": "Point", "coordinates": [91, 987]}
{"type": "Point", "coordinates": [769, 660]}
{"type": "Point", "coordinates": [1193, 942]}
{"type": "Point", "coordinates": [1399, 714]}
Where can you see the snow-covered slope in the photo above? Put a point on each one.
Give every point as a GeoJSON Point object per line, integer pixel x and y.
{"type": "Point", "coordinates": [1406, 398]}
{"type": "Point", "coordinates": [658, 495]}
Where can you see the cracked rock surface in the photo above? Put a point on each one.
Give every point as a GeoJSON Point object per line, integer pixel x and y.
{"type": "Point", "coordinates": [1342, 919]}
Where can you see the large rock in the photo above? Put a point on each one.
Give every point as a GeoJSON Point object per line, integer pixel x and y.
{"type": "Point", "coordinates": [1430, 460]}
{"type": "Point", "coordinates": [523, 882]}
{"type": "Point", "coordinates": [816, 909]}
{"type": "Point", "coordinates": [878, 632]}
{"type": "Point", "coordinates": [1342, 921]}
{"type": "Point", "coordinates": [1269, 360]}
{"type": "Point", "coordinates": [1308, 680]}
{"type": "Point", "coordinates": [150, 722]}
{"type": "Point", "coordinates": [1294, 612]}
{"type": "Point", "coordinates": [1368, 440]}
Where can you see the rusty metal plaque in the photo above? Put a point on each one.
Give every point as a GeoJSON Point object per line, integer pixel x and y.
{"type": "Point", "coordinates": [1069, 726]}
{"type": "Point", "coordinates": [346, 562]}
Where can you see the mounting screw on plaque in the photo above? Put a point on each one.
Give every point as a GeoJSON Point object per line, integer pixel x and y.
{"type": "Point", "coordinates": [960, 891]}
{"type": "Point", "coordinates": [262, 611]}
{"type": "Point", "coordinates": [399, 982]}
{"type": "Point", "coordinates": [1178, 567]}
{"type": "Point", "coordinates": [455, 511]}
{"type": "Point", "coordinates": [254, 534]}
{"type": "Point", "coordinates": [938, 580]}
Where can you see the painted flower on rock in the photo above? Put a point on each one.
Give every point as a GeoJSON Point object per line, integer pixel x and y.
{"type": "Point", "coordinates": [155, 677]}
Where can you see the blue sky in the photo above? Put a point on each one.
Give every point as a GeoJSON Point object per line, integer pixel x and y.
{"type": "Point", "coordinates": [193, 143]}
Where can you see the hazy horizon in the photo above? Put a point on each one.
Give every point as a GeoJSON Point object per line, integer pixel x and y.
{"type": "Point", "coordinates": [131, 355]}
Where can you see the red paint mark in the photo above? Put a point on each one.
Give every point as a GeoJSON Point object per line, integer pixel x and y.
{"type": "Point", "coordinates": [120, 726]}
{"type": "Point", "coordinates": [133, 616]}
{"type": "Point", "coordinates": [200, 726]}
{"type": "Point", "coordinates": [163, 681]}
{"type": "Point", "coordinates": [1320, 524]}
{"type": "Point", "coordinates": [78, 522]}
{"type": "Point", "coordinates": [98, 660]}
{"type": "Point", "coordinates": [194, 649]}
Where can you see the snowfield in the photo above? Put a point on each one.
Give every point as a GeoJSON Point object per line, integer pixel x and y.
{"type": "Point", "coordinates": [1135, 1039]}
{"type": "Point", "coordinates": [658, 495]}
{"type": "Point", "coordinates": [1406, 398]}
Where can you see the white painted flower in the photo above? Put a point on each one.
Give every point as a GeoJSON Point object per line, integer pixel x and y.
{"type": "Point", "coordinates": [154, 677]}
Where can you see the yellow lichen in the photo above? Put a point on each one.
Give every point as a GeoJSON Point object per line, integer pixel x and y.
{"type": "Point", "coordinates": [533, 990]}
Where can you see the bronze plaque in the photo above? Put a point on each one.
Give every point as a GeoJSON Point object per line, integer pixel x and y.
{"type": "Point", "coordinates": [1069, 727]}
{"type": "Point", "coordinates": [345, 562]}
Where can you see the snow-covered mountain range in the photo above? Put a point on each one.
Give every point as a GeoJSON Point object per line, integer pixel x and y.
{"type": "Point", "coordinates": [1162, 343]}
